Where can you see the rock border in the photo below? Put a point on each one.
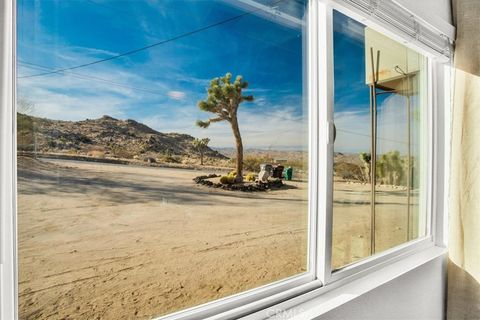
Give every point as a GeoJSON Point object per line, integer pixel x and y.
{"type": "Point", "coordinates": [257, 187]}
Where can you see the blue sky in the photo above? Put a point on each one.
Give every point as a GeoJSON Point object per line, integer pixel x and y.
{"type": "Point", "coordinates": [161, 86]}
{"type": "Point", "coordinates": [267, 52]}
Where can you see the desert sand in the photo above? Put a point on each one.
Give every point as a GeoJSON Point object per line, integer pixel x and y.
{"type": "Point", "coordinates": [102, 241]}
{"type": "Point", "coordinates": [105, 241]}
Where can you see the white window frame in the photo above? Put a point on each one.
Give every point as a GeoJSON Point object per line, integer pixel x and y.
{"type": "Point", "coordinates": [437, 156]}
{"type": "Point", "coordinates": [319, 278]}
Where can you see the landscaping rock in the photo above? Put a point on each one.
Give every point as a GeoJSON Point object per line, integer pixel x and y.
{"type": "Point", "coordinates": [253, 187]}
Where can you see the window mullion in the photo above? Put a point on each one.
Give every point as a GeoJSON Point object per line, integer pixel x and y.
{"type": "Point", "coordinates": [8, 278]}
{"type": "Point", "coordinates": [325, 139]}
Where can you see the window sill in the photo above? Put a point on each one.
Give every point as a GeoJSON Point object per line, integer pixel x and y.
{"type": "Point", "coordinates": [320, 301]}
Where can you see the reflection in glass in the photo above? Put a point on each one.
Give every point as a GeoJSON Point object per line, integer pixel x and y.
{"type": "Point", "coordinates": [378, 182]}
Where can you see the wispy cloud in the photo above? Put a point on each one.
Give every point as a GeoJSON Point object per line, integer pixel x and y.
{"type": "Point", "coordinates": [176, 95]}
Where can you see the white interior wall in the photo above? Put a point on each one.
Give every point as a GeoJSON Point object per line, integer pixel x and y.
{"type": "Point", "coordinates": [418, 294]}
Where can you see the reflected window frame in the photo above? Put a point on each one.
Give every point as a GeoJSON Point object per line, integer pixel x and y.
{"type": "Point", "coordinates": [436, 184]}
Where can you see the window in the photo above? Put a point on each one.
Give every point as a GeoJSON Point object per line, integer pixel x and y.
{"type": "Point", "coordinates": [128, 205]}
{"type": "Point", "coordinates": [370, 217]}
{"type": "Point", "coordinates": [151, 181]}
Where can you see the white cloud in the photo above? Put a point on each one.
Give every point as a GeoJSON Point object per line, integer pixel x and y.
{"type": "Point", "coordinates": [176, 95]}
{"type": "Point", "coordinates": [282, 129]}
{"type": "Point", "coordinates": [49, 104]}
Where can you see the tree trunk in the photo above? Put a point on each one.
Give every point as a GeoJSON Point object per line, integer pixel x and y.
{"type": "Point", "coordinates": [366, 169]}
{"type": "Point", "coordinates": [201, 157]}
{"type": "Point", "coordinates": [238, 141]}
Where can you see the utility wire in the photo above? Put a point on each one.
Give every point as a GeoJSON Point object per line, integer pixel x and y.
{"type": "Point", "coordinates": [86, 77]}
{"type": "Point", "coordinates": [183, 35]}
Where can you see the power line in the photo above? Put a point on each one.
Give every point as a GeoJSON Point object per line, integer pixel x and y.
{"type": "Point", "coordinates": [85, 77]}
{"type": "Point", "coordinates": [154, 36]}
{"type": "Point", "coordinates": [151, 45]}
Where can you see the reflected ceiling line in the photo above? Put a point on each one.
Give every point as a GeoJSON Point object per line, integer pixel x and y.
{"type": "Point", "coordinates": [271, 11]}
{"type": "Point", "coordinates": [134, 51]}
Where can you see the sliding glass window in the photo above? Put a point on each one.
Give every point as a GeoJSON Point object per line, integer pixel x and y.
{"type": "Point", "coordinates": [163, 154]}
{"type": "Point", "coordinates": [381, 149]}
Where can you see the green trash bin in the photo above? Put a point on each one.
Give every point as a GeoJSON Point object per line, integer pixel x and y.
{"type": "Point", "coordinates": [288, 173]}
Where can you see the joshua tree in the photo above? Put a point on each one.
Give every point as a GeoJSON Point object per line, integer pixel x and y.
{"type": "Point", "coordinates": [200, 145]}
{"type": "Point", "coordinates": [224, 98]}
{"type": "Point", "coordinates": [366, 159]}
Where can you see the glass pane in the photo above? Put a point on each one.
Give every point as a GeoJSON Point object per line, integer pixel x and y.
{"type": "Point", "coordinates": [380, 110]}
{"type": "Point", "coordinates": [133, 197]}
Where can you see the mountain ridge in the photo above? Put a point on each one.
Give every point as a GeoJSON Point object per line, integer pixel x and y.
{"type": "Point", "coordinates": [113, 137]}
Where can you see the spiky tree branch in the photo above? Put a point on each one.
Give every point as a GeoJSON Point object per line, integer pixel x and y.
{"type": "Point", "coordinates": [223, 99]}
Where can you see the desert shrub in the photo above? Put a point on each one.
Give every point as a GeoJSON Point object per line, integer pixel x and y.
{"type": "Point", "coordinates": [349, 171]}
{"type": "Point", "coordinates": [232, 174]}
{"type": "Point", "coordinates": [250, 177]}
{"type": "Point", "coordinates": [227, 180]}
{"type": "Point", "coordinates": [252, 163]}
{"type": "Point", "coordinates": [170, 159]}
{"type": "Point", "coordinates": [122, 152]}
{"type": "Point", "coordinates": [297, 164]}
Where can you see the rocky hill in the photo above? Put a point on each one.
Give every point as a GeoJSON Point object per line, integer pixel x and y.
{"type": "Point", "coordinates": [106, 136]}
